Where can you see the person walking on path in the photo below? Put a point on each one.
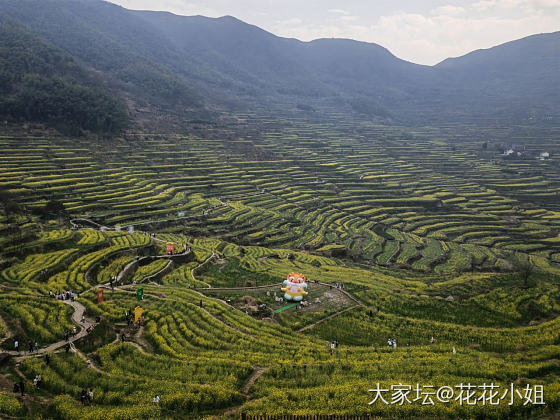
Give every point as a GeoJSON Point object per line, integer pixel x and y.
{"type": "Point", "coordinates": [22, 388]}
{"type": "Point", "coordinates": [16, 345]}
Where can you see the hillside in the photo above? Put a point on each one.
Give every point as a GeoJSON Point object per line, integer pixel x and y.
{"type": "Point", "coordinates": [180, 67]}
{"type": "Point", "coordinates": [427, 231]}
{"type": "Point", "coordinates": [524, 73]}
{"type": "Point", "coordinates": [41, 83]}
{"type": "Point", "coordinates": [146, 272]}
{"type": "Point", "coordinates": [120, 49]}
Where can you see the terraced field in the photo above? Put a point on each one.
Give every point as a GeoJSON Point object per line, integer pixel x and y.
{"type": "Point", "coordinates": [383, 195]}
{"type": "Point", "coordinates": [430, 231]}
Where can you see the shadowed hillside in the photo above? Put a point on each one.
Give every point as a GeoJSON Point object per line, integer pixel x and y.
{"type": "Point", "coordinates": [179, 66]}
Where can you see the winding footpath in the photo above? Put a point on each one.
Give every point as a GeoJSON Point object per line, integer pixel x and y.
{"type": "Point", "coordinates": [79, 311]}
{"type": "Point", "coordinates": [200, 266]}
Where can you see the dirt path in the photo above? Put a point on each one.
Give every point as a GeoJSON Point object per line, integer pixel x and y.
{"type": "Point", "coordinates": [210, 314]}
{"type": "Point", "coordinates": [350, 295]}
{"type": "Point", "coordinates": [138, 346]}
{"type": "Point", "coordinates": [140, 343]}
{"type": "Point", "coordinates": [201, 265]}
{"type": "Point", "coordinates": [232, 413]}
{"type": "Point", "coordinates": [79, 310]}
{"type": "Point", "coordinates": [308, 327]}
{"type": "Point", "coordinates": [79, 222]}
{"type": "Point", "coordinates": [257, 372]}
{"type": "Point", "coordinates": [85, 359]}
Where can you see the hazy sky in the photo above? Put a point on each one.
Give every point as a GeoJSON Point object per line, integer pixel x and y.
{"type": "Point", "coordinates": [422, 31]}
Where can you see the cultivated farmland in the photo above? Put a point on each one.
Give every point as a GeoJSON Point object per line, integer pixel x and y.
{"type": "Point", "coordinates": [432, 233]}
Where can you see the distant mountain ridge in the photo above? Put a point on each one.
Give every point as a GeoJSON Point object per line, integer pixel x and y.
{"type": "Point", "coordinates": [190, 66]}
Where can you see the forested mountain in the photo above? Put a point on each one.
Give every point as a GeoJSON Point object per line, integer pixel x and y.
{"type": "Point", "coordinates": [163, 64]}
{"type": "Point", "coordinates": [39, 82]}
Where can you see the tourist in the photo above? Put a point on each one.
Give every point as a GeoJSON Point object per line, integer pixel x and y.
{"type": "Point", "coordinates": [156, 400]}
{"type": "Point", "coordinates": [432, 340]}
{"type": "Point", "coordinates": [47, 359]}
{"type": "Point", "coordinates": [16, 345]}
{"type": "Point", "coordinates": [22, 388]}
{"type": "Point", "coordinates": [83, 396]}
{"type": "Point", "coordinates": [90, 395]}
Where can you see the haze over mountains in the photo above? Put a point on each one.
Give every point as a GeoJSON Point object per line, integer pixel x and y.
{"type": "Point", "coordinates": [188, 67]}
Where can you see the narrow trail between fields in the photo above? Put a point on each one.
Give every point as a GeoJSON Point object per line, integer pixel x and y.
{"type": "Point", "coordinates": [232, 413]}
{"type": "Point", "coordinates": [210, 258]}
{"type": "Point", "coordinates": [308, 327]}
{"type": "Point", "coordinates": [79, 222]}
{"type": "Point", "coordinates": [257, 372]}
{"type": "Point", "coordinates": [89, 363]}
{"type": "Point", "coordinates": [79, 311]}
{"type": "Point", "coordinates": [210, 314]}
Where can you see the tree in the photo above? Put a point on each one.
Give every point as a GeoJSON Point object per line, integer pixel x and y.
{"type": "Point", "coordinates": [524, 266]}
